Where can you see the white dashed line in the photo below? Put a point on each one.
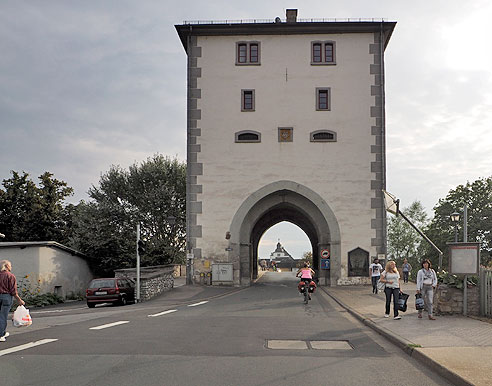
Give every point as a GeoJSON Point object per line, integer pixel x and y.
{"type": "Point", "coordinates": [162, 313]}
{"type": "Point", "coordinates": [198, 304]}
{"type": "Point", "coordinates": [109, 325]}
{"type": "Point", "coordinates": [26, 346]}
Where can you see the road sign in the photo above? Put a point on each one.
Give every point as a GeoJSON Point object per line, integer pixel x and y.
{"type": "Point", "coordinates": [325, 264]}
{"type": "Point", "coordinates": [325, 253]}
{"type": "Point", "coordinates": [190, 256]}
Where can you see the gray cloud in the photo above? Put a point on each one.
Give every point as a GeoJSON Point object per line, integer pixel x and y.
{"type": "Point", "coordinates": [84, 85]}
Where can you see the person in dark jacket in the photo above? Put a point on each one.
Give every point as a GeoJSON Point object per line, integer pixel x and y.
{"type": "Point", "coordinates": [8, 291]}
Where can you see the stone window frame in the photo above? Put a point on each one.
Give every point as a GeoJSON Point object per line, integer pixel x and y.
{"type": "Point", "coordinates": [238, 133]}
{"type": "Point", "coordinates": [313, 133]}
{"type": "Point", "coordinates": [248, 61]}
{"type": "Point", "coordinates": [291, 129]}
{"type": "Point", "coordinates": [323, 44]}
{"type": "Point", "coordinates": [243, 91]}
{"type": "Point", "coordinates": [318, 89]}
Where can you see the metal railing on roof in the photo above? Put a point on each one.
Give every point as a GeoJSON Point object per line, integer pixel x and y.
{"type": "Point", "coordinates": [269, 21]}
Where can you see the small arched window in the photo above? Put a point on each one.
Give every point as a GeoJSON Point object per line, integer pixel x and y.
{"type": "Point", "coordinates": [323, 136]}
{"type": "Point", "coordinates": [247, 136]}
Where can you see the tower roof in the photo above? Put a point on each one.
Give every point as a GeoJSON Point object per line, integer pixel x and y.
{"type": "Point", "coordinates": [282, 27]}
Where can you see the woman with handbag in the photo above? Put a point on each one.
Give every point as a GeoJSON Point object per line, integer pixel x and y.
{"type": "Point", "coordinates": [426, 284]}
{"type": "Point", "coordinates": [391, 278]}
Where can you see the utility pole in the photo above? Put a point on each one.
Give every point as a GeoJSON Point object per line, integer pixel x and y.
{"type": "Point", "coordinates": [138, 263]}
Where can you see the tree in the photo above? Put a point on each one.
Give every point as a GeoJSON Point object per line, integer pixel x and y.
{"type": "Point", "coordinates": [403, 240]}
{"type": "Point", "coordinates": [477, 196]}
{"type": "Point", "coordinates": [153, 194]}
{"type": "Point", "coordinates": [307, 257]}
{"type": "Point", "coordinates": [29, 212]}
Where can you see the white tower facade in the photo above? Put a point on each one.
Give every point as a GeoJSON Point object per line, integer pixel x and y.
{"type": "Point", "coordinates": [286, 123]}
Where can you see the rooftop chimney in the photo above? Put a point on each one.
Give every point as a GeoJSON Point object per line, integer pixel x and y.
{"type": "Point", "coordinates": [291, 15]}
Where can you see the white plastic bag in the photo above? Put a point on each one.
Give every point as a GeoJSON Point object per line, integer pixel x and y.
{"type": "Point", "coordinates": [21, 317]}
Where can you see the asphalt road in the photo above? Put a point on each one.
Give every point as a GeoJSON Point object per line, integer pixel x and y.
{"type": "Point", "coordinates": [262, 335]}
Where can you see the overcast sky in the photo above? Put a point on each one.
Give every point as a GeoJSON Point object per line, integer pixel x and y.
{"type": "Point", "coordinates": [87, 84]}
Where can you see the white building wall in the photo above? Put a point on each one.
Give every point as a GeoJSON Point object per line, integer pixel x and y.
{"type": "Point", "coordinates": [285, 85]}
{"type": "Point", "coordinates": [51, 266]}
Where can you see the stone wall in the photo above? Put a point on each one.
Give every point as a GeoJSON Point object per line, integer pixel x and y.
{"type": "Point", "coordinates": [153, 280]}
{"type": "Point", "coordinates": [449, 300]}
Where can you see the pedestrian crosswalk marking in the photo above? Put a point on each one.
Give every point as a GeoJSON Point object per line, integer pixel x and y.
{"type": "Point", "coordinates": [26, 346]}
{"type": "Point", "coordinates": [109, 325]}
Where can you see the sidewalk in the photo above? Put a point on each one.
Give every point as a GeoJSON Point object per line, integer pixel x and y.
{"type": "Point", "coordinates": [457, 347]}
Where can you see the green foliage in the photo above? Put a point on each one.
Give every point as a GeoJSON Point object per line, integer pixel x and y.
{"type": "Point", "coordinates": [306, 257]}
{"type": "Point", "coordinates": [149, 193]}
{"type": "Point", "coordinates": [478, 198]}
{"type": "Point", "coordinates": [445, 277]}
{"type": "Point", "coordinates": [403, 240]}
{"type": "Point", "coordinates": [29, 212]}
{"type": "Point", "coordinates": [31, 294]}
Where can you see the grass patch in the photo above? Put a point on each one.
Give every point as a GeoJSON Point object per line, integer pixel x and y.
{"type": "Point", "coordinates": [412, 345]}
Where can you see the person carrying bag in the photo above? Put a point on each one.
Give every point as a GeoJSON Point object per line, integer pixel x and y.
{"type": "Point", "coordinates": [391, 278]}
{"type": "Point", "coordinates": [426, 284]}
{"type": "Point", "coordinates": [8, 291]}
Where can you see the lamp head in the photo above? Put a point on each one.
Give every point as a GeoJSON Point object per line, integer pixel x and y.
{"type": "Point", "coordinates": [455, 217]}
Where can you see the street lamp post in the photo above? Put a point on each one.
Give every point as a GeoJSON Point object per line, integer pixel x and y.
{"type": "Point", "coordinates": [455, 218]}
{"type": "Point", "coordinates": [171, 220]}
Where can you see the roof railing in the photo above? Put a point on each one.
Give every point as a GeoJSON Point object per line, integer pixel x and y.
{"type": "Point", "coordinates": [273, 21]}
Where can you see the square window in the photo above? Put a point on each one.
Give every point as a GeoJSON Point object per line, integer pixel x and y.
{"type": "Point", "coordinates": [247, 53]}
{"type": "Point", "coordinates": [323, 53]}
{"type": "Point", "coordinates": [285, 134]}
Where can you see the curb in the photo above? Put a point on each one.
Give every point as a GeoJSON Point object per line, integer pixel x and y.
{"type": "Point", "coordinates": [405, 345]}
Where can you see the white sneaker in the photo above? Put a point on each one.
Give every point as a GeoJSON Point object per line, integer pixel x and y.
{"type": "Point", "coordinates": [386, 315]}
{"type": "Point", "coordinates": [397, 317]}
{"type": "Point", "coordinates": [2, 339]}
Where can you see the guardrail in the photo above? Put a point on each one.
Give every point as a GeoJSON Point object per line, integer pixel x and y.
{"type": "Point", "coordinates": [272, 21]}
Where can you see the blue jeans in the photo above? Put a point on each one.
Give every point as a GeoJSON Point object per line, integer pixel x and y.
{"type": "Point", "coordinates": [405, 276]}
{"type": "Point", "coordinates": [5, 304]}
{"type": "Point", "coordinates": [396, 295]}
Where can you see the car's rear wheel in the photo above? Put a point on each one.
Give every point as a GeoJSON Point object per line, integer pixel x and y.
{"type": "Point", "coordinates": [91, 305]}
{"type": "Point", "coordinates": [123, 301]}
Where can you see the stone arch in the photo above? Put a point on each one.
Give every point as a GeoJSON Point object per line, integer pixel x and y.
{"type": "Point", "coordinates": [283, 201]}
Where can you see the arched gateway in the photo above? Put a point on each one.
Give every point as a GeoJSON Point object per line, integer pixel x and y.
{"type": "Point", "coordinates": [285, 122]}
{"type": "Point", "coordinates": [283, 201]}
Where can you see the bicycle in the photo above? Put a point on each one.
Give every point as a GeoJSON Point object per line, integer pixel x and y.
{"type": "Point", "coordinates": [306, 287]}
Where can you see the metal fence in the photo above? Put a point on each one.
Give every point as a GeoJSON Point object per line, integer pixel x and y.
{"type": "Point", "coordinates": [486, 292]}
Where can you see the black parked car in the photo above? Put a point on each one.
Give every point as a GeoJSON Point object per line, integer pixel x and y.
{"type": "Point", "coordinates": [110, 290]}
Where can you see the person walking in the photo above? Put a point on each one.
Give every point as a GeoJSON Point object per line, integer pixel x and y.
{"type": "Point", "coordinates": [391, 278]}
{"type": "Point", "coordinates": [8, 291]}
{"type": "Point", "coordinates": [406, 269]}
{"type": "Point", "coordinates": [426, 284]}
{"type": "Point", "coordinates": [375, 272]}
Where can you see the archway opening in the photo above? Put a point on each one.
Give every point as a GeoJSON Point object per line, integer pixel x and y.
{"type": "Point", "coordinates": [282, 212]}
{"type": "Point", "coordinates": [277, 202]}
{"type": "Point", "coordinates": [282, 248]}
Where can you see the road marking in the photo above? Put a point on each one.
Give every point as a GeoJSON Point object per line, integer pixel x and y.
{"type": "Point", "coordinates": [109, 325]}
{"type": "Point", "coordinates": [162, 313]}
{"type": "Point", "coordinates": [198, 304]}
{"type": "Point", "coordinates": [26, 346]}
{"type": "Point", "coordinates": [51, 311]}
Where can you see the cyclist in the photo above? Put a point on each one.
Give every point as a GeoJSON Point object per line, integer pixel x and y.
{"type": "Point", "coordinates": [306, 275]}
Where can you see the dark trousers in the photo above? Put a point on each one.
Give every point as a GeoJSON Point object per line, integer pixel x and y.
{"type": "Point", "coordinates": [374, 280]}
{"type": "Point", "coordinates": [396, 294]}
{"type": "Point", "coordinates": [405, 276]}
